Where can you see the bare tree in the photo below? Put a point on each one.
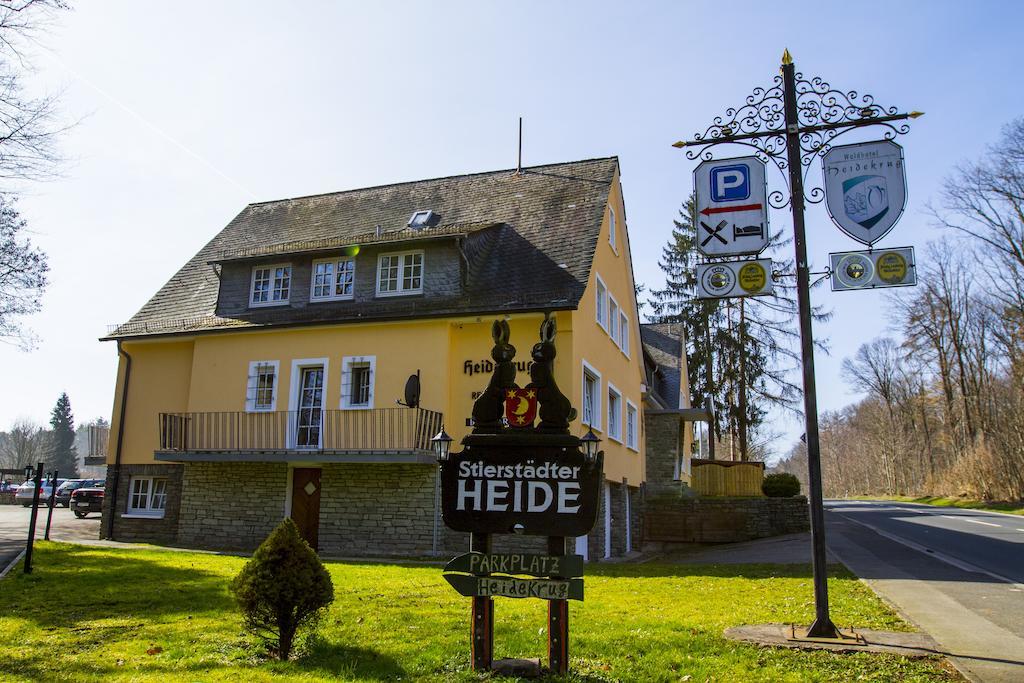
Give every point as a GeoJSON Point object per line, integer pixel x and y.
{"type": "Point", "coordinates": [23, 276]}
{"type": "Point", "coordinates": [25, 444]}
{"type": "Point", "coordinates": [29, 129]}
{"type": "Point", "coordinates": [29, 126]}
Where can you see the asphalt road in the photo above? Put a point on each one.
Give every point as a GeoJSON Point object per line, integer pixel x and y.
{"type": "Point", "coordinates": [14, 521]}
{"type": "Point", "coordinates": [958, 574]}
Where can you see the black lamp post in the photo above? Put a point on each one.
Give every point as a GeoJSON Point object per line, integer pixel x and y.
{"type": "Point", "coordinates": [442, 445]}
{"type": "Point", "coordinates": [590, 443]}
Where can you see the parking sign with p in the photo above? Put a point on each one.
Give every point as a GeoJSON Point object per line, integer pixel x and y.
{"type": "Point", "coordinates": [730, 183]}
{"type": "Point", "coordinates": [732, 207]}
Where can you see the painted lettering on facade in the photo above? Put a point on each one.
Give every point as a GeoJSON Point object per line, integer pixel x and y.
{"type": "Point", "coordinates": [471, 367]}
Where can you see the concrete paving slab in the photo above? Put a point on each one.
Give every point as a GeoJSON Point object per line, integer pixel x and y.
{"type": "Point", "coordinates": [889, 642]}
{"type": "Point", "coordinates": [787, 549]}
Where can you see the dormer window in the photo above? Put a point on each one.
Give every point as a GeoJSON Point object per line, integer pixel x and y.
{"type": "Point", "coordinates": [271, 285]}
{"type": "Point", "coordinates": [333, 279]}
{"type": "Point", "coordinates": [421, 219]}
{"type": "Point", "coordinates": [400, 273]}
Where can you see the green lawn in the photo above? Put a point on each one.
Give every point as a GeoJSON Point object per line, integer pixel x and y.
{"type": "Point", "coordinates": [89, 613]}
{"type": "Point", "coordinates": [993, 506]}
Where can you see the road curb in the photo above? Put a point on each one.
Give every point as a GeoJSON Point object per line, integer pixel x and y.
{"type": "Point", "coordinates": [12, 564]}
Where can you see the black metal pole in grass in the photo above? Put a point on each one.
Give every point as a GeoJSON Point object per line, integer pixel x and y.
{"type": "Point", "coordinates": [53, 503]}
{"type": "Point", "coordinates": [32, 518]}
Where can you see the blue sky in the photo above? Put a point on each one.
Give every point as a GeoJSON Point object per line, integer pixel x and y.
{"type": "Point", "coordinates": [188, 111]}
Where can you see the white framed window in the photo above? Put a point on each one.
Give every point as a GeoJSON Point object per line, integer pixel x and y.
{"type": "Point", "coordinates": [612, 229]}
{"type": "Point", "coordinates": [271, 285]}
{"type": "Point", "coordinates": [602, 303]}
{"type": "Point", "coordinates": [400, 273]}
{"type": "Point", "coordinates": [614, 413]}
{"type": "Point", "coordinates": [632, 434]}
{"type": "Point", "coordinates": [624, 333]}
{"type": "Point", "coordinates": [261, 387]}
{"type": "Point", "coordinates": [147, 496]}
{"type": "Point", "coordinates": [333, 279]}
{"type": "Point", "coordinates": [591, 393]}
{"type": "Point", "coordinates": [357, 376]}
{"type": "Point", "coordinates": [613, 319]}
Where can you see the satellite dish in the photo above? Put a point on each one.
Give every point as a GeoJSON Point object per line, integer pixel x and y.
{"type": "Point", "coordinates": [412, 392]}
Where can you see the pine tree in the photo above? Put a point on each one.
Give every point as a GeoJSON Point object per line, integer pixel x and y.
{"type": "Point", "coordinates": [739, 350]}
{"type": "Point", "coordinates": [63, 455]}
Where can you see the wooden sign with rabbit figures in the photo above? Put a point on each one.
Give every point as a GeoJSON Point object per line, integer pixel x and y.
{"type": "Point", "coordinates": [516, 475]}
{"type": "Point", "coordinates": [513, 476]}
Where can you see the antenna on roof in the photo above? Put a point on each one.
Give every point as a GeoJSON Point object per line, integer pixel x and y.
{"type": "Point", "coordinates": [519, 159]}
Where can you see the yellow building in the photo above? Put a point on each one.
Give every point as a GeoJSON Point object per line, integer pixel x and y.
{"type": "Point", "coordinates": [266, 378]}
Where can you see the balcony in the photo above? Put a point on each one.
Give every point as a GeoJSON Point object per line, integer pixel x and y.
{"type": "Point", "coordinates": [383, 435]}
{"type": "Point", "coordinates": [99, 435]}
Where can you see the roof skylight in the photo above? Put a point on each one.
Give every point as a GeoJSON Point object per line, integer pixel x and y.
{"type": "Point", "coordinates": [421, 219]}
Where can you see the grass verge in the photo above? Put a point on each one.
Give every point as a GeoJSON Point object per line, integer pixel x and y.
{"type": "Point", "coordinates": [90, 614]}
{"type": "Point", "coordinates": [940, 501]}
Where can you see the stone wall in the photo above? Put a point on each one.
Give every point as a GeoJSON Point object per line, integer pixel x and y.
{"type": "Point", "coordinates": [596, 541]}
{"type": "Point", "coordinates": [231, 505]}
{"type": "Point", "coordinates": [366, 510]}
{"type": "Point", "coordinates": [374, 510]}
{"type": "Point", "coordinates": [142, 529]}
{"type": "Point", "coordinates": [664, 440]}
{"type": "Point", "coordinates": [722, 520]}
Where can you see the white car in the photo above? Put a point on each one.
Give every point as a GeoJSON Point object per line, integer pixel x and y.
{"type": "Point", "coordinates": [25, 492]}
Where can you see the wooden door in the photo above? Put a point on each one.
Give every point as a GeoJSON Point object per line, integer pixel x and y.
{"type": "Point", "coordinates": [306, 503]}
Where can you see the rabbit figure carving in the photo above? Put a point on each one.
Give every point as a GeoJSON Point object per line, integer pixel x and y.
{"type": "Point", "coordinates": [489, 408]}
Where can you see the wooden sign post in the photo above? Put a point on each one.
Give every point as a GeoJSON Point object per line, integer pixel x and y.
{"type": "Point", "coordinates": [514, 478]}
{"type": "Point", "coordinates": [558, 615]}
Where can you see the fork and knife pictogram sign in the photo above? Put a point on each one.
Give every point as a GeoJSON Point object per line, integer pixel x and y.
{"type": "Point", "coordinates": [714, 233]}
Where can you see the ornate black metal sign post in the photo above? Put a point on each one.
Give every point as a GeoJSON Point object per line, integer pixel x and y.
{"type": "Point", "coordinates": [514, 478]}
{"type": "Point", "coordinates": [792, 123]}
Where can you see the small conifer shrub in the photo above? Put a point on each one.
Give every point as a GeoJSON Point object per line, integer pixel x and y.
{"type": "Point", "coordinates": [283, 588]}
{"type": "Point", "coordinates": [780, 485]}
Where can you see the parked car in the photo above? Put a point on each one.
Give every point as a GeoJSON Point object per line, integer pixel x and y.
{"type": "Point", "coordinates": [25, 492]}
{"type": "Point", "coordinates": [65, 490]}
{"type": "Point", "coordinates": [87, 499]}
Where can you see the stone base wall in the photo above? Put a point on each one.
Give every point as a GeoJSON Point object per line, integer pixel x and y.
{"type": "Point", "coordinates": [596, 540]}
{"type": "Point", "coordinates": [231, 505]}
{"type": "Point", "coordinates": [142, 529]}
{"type": "Point", "coordinates": [366, 510]}
{"type": "Point", "coordinates": [722, 520]}
{"type": "Point", "coordinates": [375, 510]}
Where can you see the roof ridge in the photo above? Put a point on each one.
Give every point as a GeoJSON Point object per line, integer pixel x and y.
{"type": "Point", "coordinates": [427, 180]}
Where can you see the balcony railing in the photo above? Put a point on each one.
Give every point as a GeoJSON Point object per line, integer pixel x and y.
{"type": "Point", "coordinates": [381, 430]}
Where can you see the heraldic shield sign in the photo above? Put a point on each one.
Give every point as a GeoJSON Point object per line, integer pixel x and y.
{"type": "Point", "coordinates": [865, 188]}
{"type": "Point", "coordinates": [520, 407]}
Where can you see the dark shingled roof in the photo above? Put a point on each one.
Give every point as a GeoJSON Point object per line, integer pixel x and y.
{"type": "Point", "coordinates": [663, 342]}
{"type": "Point", "coordinates": [545, 222]}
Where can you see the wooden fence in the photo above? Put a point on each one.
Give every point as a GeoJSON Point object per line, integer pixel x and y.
{"type": "Point", "coordinates": [727, 478]}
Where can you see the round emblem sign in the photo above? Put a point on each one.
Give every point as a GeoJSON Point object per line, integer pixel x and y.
{"type": "Point", "coordinates": [719, 280]}
{"type": "Point", "coordinates": [892, 268]}
{"type": "Point", "coordinates": [753, 277]}
{"type": "Point", "coordinates": [855, 270]}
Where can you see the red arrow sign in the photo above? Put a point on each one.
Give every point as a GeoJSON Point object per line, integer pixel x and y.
{"type": "Point", "coordinates": [730, 209]}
